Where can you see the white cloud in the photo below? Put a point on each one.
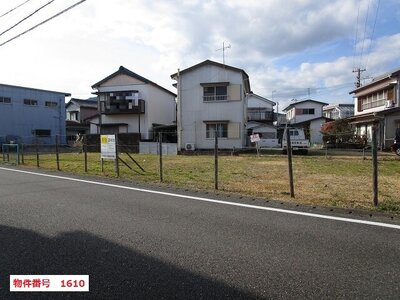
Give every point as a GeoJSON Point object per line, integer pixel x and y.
{"type": "Point", "coordinates": [154, 38]}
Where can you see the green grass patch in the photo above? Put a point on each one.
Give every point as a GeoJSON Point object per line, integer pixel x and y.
{"type": "Point", "coordinates": [339, 181]}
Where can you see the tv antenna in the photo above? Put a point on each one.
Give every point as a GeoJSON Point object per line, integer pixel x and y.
{"type": "Point", "coordinates": [223, 50]}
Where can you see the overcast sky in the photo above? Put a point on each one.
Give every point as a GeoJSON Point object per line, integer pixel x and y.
{"type": "Point", "coordinates": [289, 48]}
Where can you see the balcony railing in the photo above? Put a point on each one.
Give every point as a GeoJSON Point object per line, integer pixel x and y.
{"type": "Point", "coordinates": [215, 98]}
{"type": "Point", "coordinates": [373, 103]}
{"type": "Point", "coordinates": [123, 107]}
{"type": "Point", "coordinates": [261, 116]}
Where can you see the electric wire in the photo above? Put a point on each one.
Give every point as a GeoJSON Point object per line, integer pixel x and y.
{"type": "Point", "coordinates": [372, 35]}
{"type": "Point", "coordinates": [27, 17]}
{"type": "Point", "coordinates": [356, 37]}
{"type": "Point", "coordinates": [11, 10]}
{"type": "Point", "coordinates": [365, 34]}
{"type": "Point", "coordinates": [43, 22]}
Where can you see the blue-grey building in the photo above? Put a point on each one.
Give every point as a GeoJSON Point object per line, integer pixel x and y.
{"type": "Point", "coordinates": [28, 115]}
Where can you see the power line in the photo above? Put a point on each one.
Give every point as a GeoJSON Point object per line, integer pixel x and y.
{"type": "Point", "coordinates": [365, 33]}
{"type": "Point", "coordinates": [11, 10]}
{"type": "Point", "coordinates": [43, 22]}
{"type": "Point", "coordinates": [373, 32]}
{"type": "Point", "coordinates": [356, 38]}
{"type": "Point", "coordinates": [27, 17]}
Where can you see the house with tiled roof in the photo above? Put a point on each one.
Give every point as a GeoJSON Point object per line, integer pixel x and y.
{"type": "Point", "coordinates": [131, 103]}
{"type": "Point", "coordinates": [78, 114]}
{"type": "Point", "coordinates": [307, 114]}
{"type": "Point", "coordinates": [378, 102]}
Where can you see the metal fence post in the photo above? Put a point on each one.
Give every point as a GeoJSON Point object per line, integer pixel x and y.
{"type": "Point", "coordinates": [57, 154]}
{"type": "Point", "coordinates": [216, 161]}
{"type": "Point", "coordinates": [374, 164]}
{"type": "Point", "coordinates": [116, 155]}
{"type": "Point", "coordinates": [290, 163]}
{"type": "Point", "coordinates": [85, 151]}
{"type": "Point", "coordinates": [37, 152]}
{"type": "Point", "coordinates": [22, 154]}
{"type": "Point", "coordinates": [160, 152]}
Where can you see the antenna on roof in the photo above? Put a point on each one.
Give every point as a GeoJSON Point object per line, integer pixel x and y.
{"type": "Point", "coordinates": [223, 50]}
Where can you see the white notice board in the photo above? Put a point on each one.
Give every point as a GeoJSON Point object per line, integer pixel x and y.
{"type": "Point", "coordinates": [254, 138]}
{"type": "Point", "coordinates": [108, 146]}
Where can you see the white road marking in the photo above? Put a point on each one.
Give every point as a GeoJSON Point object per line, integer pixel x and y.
{"type": "Point", "coordinates": [286, 211]}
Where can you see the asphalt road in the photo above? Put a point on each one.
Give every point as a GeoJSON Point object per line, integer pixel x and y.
{"type": "Point", "coordinates": [139, 245]}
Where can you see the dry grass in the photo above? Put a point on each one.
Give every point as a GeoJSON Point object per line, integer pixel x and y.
{"type": "Point", "coordinates": [343, 181]}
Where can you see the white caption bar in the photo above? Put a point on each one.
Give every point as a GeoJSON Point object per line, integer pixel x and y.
{"type": "Point", "coordinates": [49, 283]}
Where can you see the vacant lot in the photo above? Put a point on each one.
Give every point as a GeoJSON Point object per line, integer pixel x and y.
{"type": "Point", "coordinates": [341, 181]}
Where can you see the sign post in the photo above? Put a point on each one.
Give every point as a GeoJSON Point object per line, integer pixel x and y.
{"type": "Point", "coordinates": [255, 138]}
{"type": "Point", "coordinates": [108, 147]}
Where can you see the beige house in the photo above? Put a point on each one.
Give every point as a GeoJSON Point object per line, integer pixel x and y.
{"type": "Point", "coordinates": [130, 103]}
{"type": "Point", "coordinates": [378, 102]}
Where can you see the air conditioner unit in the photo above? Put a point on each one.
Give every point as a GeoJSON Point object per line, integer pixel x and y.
{"type": "Point", "coordinates": [189, 147]}
{"type": "Point", "coordinates": [389, 103]}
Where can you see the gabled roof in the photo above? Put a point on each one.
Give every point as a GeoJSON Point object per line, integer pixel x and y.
{"type": "Point", "coordinates": [214, 63]}
{"type": "Point", "coordinates": [338, 105]}
{"type": "Point", "coordinates": [124, 71]}
{"type": "Point", "coordinates": [303, 101]}
{"type": "Point", "coordinates": [309, 121]}
{"type": "Point", "coordinates": [90, 103]}
{"type": "Point", "coordinates": [251, 94]}
{"type": "Point", "coordinates": [377, 79]}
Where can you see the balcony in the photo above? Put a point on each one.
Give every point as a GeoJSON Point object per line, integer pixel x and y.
{"type": "Point", "coordinates": [123, 107]}
{"type": "Point", "coordinates": [262, 116]}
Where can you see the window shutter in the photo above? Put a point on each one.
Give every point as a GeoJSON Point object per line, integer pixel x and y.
{"type": "Point", "coordinates": [390, 95]}
{"type": "Point", "coordinates": [359, 104]}
{"type": "Point", "coordinates": [234, 92]}
{"type": "Point", "coordinates": [233, 130]}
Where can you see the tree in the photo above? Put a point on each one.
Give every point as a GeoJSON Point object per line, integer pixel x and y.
{"type": "Point", "coordinates": [337, 132]}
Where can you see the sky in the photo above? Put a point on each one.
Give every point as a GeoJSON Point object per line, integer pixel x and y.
{"type": "Point", "coordinates": [293, 49]}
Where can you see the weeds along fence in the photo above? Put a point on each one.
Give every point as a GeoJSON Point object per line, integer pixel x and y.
{"type": "Point", "coordinates": [326, 176]}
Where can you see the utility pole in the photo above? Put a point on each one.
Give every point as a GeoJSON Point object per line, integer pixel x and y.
{"type": "Point", "coordinates": [358, 76]}
{"type": "Point", "coordinates": [223, 51]}
{"type": "Point", "coordinates": [277, 107]}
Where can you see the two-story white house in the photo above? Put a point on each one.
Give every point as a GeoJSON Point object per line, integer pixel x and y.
{"type": "Point", "coordinates": [130, 103]}
{"type": "Point", "coordinates": [211, 100]}
{"type": "Point", "coordinates": [307, 114]}
{"type": "Point", "coordinates": [261, 116]}
{"type": "Point", "coordinates": [378, 102]}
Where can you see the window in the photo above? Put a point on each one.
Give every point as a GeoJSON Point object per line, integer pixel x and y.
{"type": "Point", "coordinates": [215, 93]}
{"type": "Point", "coordinates": [73, 116]}
{"type": "Point", "coordinates": [30, 102]}
{"type": "Point", "coordinates": [373, 100]}
{"type": "Point", "coordinates": [41, 132]}
{"type": "Point", "coordinates": [51, 104]}
{"type": "Point", "coordinates": [305, 111]}
{"type": "Point", "coordinates": [5, 100]}
{"type": "Point", "coordinates": [220, 128]}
